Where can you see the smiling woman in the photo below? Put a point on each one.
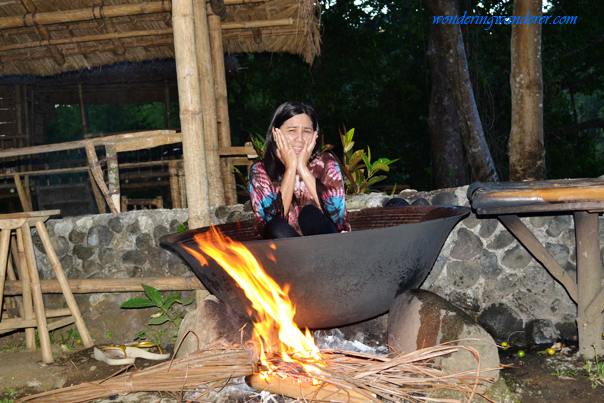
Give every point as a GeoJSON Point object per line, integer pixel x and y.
{"type": "Point", "coordinates": [297, 190]}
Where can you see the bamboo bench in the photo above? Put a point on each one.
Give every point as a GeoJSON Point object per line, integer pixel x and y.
{"type": "Point", "coordinates": [584, 199]}
{"type": "Point", "coordinates": [23, 256]}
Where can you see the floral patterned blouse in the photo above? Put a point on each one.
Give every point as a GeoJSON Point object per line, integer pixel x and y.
{"type": "Point", "coordinates": [267, 202]}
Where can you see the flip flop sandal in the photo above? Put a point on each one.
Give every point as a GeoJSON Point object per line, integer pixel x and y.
{"type": "Point", "coordinates": [136, 351]}
{"type": "Point", "coordinates": [113, 355]}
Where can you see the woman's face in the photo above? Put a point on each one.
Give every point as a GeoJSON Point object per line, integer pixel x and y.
{"type": "Point", "coordinates": [298, 129]}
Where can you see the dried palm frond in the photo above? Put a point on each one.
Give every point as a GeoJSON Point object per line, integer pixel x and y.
{"type": "Point", "coordinates": [409, 377]}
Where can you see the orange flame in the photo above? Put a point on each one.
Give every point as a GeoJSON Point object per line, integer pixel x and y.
{"type": "Point", "coordinates": [273, 307]}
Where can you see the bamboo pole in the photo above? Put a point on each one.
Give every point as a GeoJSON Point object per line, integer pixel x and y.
{"type": "Point", "coordinates": [19, 323]}
{"type": "Point", "coordinates": [167, 103]}
{"type": "Point", "coordinates": [21, 263]}
{"type": "Point", "coordinates": [62, 279]}
{"type": "Point", "coordinates": [82, 109]}
{"type": "Point", "coordinates": [92, 13]}
{"type": "Point", "coordinates": [4, 243]}
{"type": "Point", "coordinates": [222, 107]}
{"type": "Point", "coordinates": [97, 175]}
{"type": "Point", "coordinates": [174, 188]}
{"type": "Point", "coordinates": [78, 51]}
{"type": "Point", "coordinates": [44, 34]}
{"type": "Point", "coordinates": [208, 103]}
{"type": "Point", "coordinates": [556, 195]}
{"type": "Point", "coordinates": [113, 173]}
{"type": "Point", "coordinates": [21, 192]}
{"type": "Point", "coordinates": [32, 268]}
{"type": "Point", "coordinates": [98, 197]}
{"type": "Point", "coordinates": [87, 286]}
{"type": "Point", "coordinates": [112, 36]}
{"type": "Point", "coordinates": [256, 24]}
{"type": "Point", "coordinates": [182, 186]}
{"type": "Point", "coordinates": [117, 44]}
{"type": "Point", "coordinates": [11, 276]}
{"type": "Point", "coordinates": [27, 188]}
{"type": "Point", "coordinates": [72, 145]}
{"type": "Point", "coordinates": [116, 36]}
{"type": "Point", "coordinates": [190, 114]}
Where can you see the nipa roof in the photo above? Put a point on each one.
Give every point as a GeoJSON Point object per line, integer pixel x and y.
{"type": "Point", "coordinates": [48, 37]}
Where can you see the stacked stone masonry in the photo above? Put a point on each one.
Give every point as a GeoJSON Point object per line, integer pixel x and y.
{"type": "Point", "coordinates": [481, 268]}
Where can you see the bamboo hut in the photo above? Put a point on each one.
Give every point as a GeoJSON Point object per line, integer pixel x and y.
{"type": "Point", "coordinates": [95, 51]}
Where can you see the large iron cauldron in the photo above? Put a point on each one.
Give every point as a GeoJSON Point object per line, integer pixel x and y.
{"type": "Point", "coordinates": [337, 279]}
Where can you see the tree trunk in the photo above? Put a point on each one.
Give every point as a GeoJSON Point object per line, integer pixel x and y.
{"type": "Point", "coordinates": [525, 147]}
{"type": "Point", "coordinates": [475, 145]}
{"type": "Point", "coordinates": [445, 132]}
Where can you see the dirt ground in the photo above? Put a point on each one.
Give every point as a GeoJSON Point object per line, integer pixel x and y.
{"type": "Point", "coordinates": [533, 378]}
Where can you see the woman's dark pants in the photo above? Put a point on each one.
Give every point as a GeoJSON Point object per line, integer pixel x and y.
{"type": "Point", "coordinates": [312, 221]}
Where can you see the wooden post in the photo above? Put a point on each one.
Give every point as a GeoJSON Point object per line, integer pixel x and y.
{"type": "Point", "coordinates": [167, 105]}
{"type": "Point", "coordinates": [82, 110]}
{"type": "Point", "coordinates": [113, 174]}
{"type": "Point", "coordinates": [174, 188]}
{"type": "Point", "coordinates": [190, 114]}
{"type": "Point", "coordinates": [21, 263]}
{"type": "Point", "coordinates": [208, 103]}
{"type": "Point", "coordinates": [222, 107]}
{"type": "Point", "coordinates": [32, 268]}
{"type": "Point", "coordinates": [62, 279]}
{"type": "Point", "coordinates": [589, 279]}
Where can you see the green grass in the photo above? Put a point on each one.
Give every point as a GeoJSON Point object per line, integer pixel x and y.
{"type": "Point", "coordinates": [13, 346]}
{"type": "Point", "coordinates": [595, 373]}
{"type": "Point", "coordinates": [68, 340]}
{"type": "Point", "coordinates": [9, 395]}
{"type": "Point", "coordinates": [559, 373]}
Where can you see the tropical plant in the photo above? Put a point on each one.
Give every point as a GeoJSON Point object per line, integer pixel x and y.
{"type": "Point", "coordinates": [166, 312]}
{"type": "Point", "coordinates": [258, 142]}
{"type": "Point", "coordinates": [359, 172]}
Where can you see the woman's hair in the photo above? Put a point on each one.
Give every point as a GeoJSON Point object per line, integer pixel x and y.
{"type": "Point", "coordinates": [272, 164]}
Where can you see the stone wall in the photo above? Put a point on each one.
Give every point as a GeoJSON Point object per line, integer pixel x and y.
{"type": "Point", "coordinates": [481, 268]}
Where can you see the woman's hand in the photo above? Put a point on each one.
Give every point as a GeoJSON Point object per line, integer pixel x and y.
{"type": "Point", "coordinates": [285, 150]}
{"type": "Point", "coordinates": [304, 156]}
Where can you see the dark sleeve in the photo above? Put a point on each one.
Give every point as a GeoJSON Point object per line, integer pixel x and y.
{"type": "Point", "coordinates": [331, 191]}
{"type": "Point", "coordinates": [265, 197]}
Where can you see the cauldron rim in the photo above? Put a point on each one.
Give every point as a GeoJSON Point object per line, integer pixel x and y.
{"type": "Point", "coordinates": [443, 212]}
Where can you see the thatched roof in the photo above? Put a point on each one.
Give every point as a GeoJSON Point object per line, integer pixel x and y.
{"type": "Point", "coordinates": [49, 37]}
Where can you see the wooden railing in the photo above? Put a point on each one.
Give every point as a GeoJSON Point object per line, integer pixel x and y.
{"type": "Point", "coordinates": [109, 191]}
